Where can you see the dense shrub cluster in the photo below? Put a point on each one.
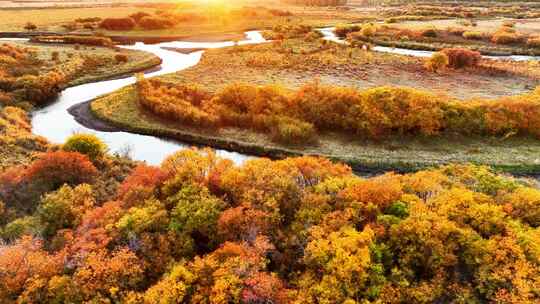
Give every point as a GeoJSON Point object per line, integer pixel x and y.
{"type": "Point", "coordinates": [437, 62]}
{"type": "Point", "coordinates": [198, 229]}
{"type": "Point", "coordinates": [183, 103]}
{"type": "Point", "coordinates": [20, 187]}
{"type": "Point", "coordinates": [461, 58]}
{"type": "Point", "coordinates": [507, 37]}
{"type": "Point", "coordinates": [21, 80]}
{"type": "Point", "coordinates": [374, 113]}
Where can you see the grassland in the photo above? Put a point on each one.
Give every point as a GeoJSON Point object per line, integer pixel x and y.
{"type": "Point", "coordinates": [295, 62]}
{"type": "Point", "coordinates": [213, 24]}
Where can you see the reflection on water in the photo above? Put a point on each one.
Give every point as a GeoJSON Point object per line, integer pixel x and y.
{"type": "Point", "coordinates": [56, 124]}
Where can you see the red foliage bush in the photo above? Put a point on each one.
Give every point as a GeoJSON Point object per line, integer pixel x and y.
{"type": "Point", "coordinates": [243, 223]}
{"type": "Point", "coordinates": [460, 58]}
{"type": "Point", "coordinates": [143, 176]}
{"type": "Point", "coordinates": [61, 167]}
{"type": "Point", "coordinates": [121, 58]}
{"type": "Point", "coordinates": [118, 24]}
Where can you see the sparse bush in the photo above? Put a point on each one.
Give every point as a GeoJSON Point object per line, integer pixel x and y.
{"type": "Point", "coordinates": [29, 26]}
{"type": "Point", "coordinates": [118, 24]}
{"type": "Point", "coordinates": [437, 62]}
{"type": "Point", "coordinates": [460, 58]}
{"type": "Point", "coordinates": [86, 144]}
{"type": "Point", "coordinates": [88, 20]}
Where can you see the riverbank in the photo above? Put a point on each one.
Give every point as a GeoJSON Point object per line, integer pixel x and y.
{"type": "Point", "coordinates": [512, 155]}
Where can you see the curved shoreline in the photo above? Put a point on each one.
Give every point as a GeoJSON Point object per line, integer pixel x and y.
{"type": "Point", "coordinates": [86, 117]}
{"type": "Point", "coordinates": [364, 165]}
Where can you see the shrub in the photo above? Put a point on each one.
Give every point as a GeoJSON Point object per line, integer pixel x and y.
{"type": "Point", "coordinates": [504, 37]}
{"type": "Point", "coordinates": [29, 26]}
{"type": "Point", "coordinates": [368, 30]}
{"type": "Point", "coordinates": [432, 33]}
{"type": "Point", "coordinates": [155, 23]}
{"type": "Point", "coordinates": [118, 24]}
{"type": "Point", "coordinates": [61, 167]}
{"type": "Point", "coordinates": [293, 131]}
{"type": "Point", "coordinates": [121, 58]}
{"type": "Point", "coordinates": [142, 179]}
{"type": "Point", "coordinates": [182, 103]}
{"type": "Point", "coordinates": [343, 30]}
{"type": "Point", "coordinates": [437, 61]}
{"type": "Point", "coordinates": [473, 35]}
{"type": "Point", "coordinates": [87, 144]}
{"type": "Point", "coordinates": [460, 58]}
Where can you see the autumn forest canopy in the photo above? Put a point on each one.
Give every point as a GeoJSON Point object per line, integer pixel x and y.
{"type": "Point", "coordinates": [301, 230]}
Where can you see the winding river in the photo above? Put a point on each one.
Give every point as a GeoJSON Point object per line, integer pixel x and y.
{"type": "Point", "coordinates": [329, 34]}
{"type": "Point", "coordinates": [56, 124]}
